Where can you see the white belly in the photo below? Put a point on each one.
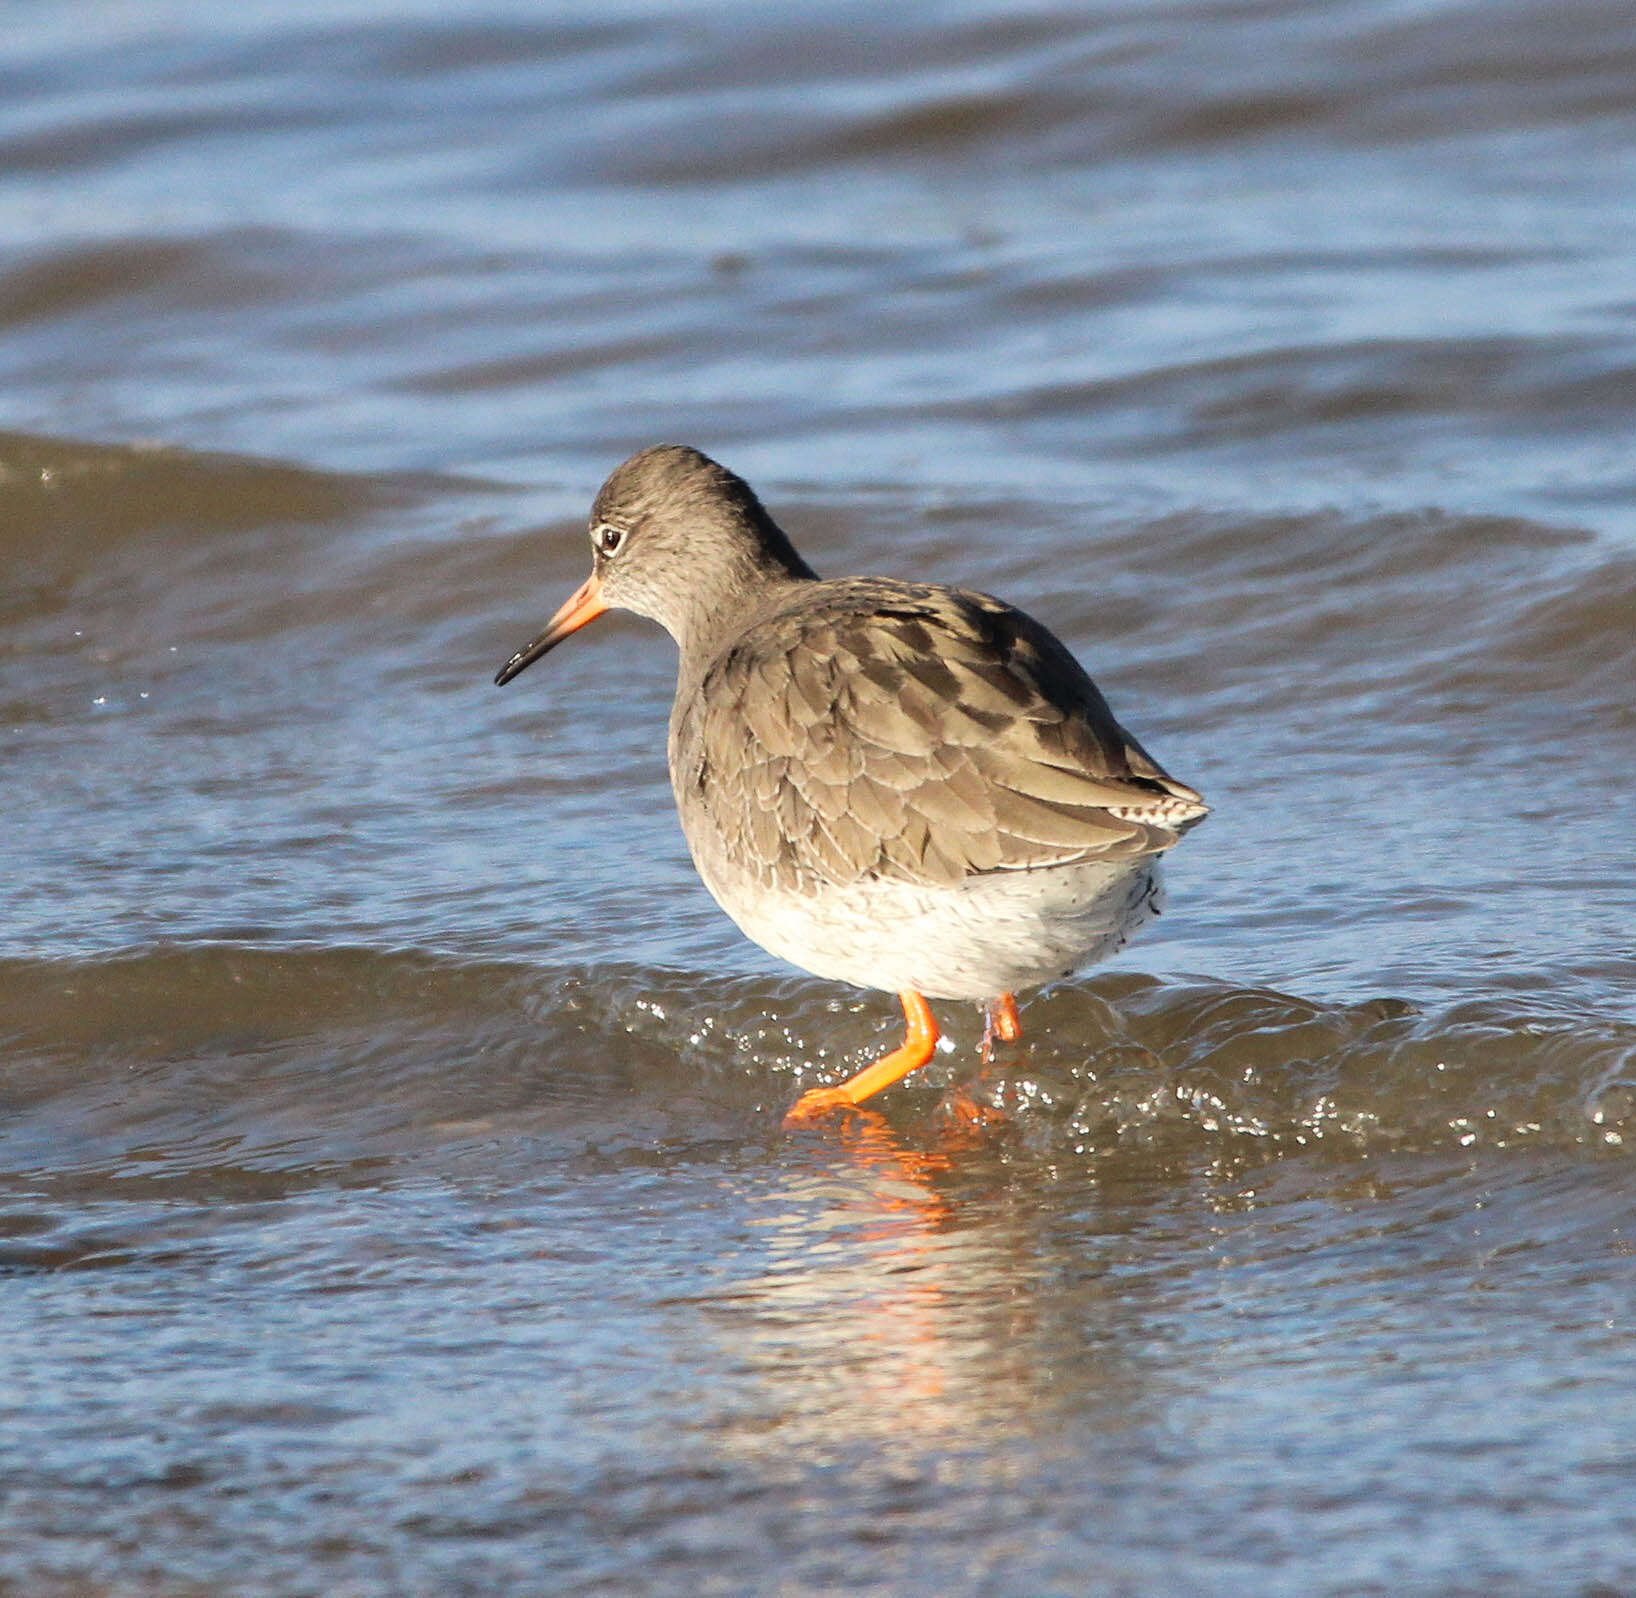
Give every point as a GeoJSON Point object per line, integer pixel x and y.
{"type": "Point", "coordinates": [994, 934]}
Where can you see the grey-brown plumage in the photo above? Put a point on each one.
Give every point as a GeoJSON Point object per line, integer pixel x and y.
{"type": "Point", "coordinates": [865, 729]}
{"type": "Point", "coordinates": [898, 784]}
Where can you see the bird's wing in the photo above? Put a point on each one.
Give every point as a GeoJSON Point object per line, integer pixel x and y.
{"type": "Point", "coordinates": [875, 729]}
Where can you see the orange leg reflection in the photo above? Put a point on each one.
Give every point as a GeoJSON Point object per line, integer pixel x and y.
{"type": "Point", "coordinates": [904, 1238]}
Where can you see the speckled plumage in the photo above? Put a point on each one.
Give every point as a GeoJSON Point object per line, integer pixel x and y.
{"type": "Point", "coordinates": [867, 729]}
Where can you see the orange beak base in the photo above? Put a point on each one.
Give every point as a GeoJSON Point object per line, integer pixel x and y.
{"type": "Point", "coordinates": [584, 605]}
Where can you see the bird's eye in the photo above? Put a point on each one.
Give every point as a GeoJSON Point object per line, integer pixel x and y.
{"type": "Point", "coordinates": [607, 539]}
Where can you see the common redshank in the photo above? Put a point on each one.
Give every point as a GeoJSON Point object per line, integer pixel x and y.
{"type": "Point", "coordinates": [898, 785]}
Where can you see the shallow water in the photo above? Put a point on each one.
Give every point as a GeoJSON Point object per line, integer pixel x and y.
{"type": "Point", "coordinates": [392, 1191]}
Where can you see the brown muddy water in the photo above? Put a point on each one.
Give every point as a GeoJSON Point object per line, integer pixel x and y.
{"type": "Point", "coordinates": [392, 1192]}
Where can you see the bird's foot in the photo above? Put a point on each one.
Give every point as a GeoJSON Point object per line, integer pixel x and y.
{"type": "Point", "coordinates": [968, 1115]}
{"type": "Point", "coordinates": [919, 1040]}
{"type": "Point", "coordinates": [1001, 1024]}
{"type": "Point", "coordinates": [817, 1104]}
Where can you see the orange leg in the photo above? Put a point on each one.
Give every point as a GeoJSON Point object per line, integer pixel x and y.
{"type": "Point", "coordinates": [918, 1044]}
{"type": "Point", "coordinates": [1001, 1021]}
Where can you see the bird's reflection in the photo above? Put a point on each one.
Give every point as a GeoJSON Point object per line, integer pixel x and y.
{"type": "Point", "coordinates": [883, 1308]}
{"type": "Point", "coordinates": [910, 1322]}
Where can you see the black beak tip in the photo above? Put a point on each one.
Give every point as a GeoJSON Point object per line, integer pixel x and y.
{"type": "Point", "coordinates": [525, 657]}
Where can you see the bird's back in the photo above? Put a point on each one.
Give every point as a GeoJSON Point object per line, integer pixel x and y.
{"type": "Point", "coordinates": [869, 729]}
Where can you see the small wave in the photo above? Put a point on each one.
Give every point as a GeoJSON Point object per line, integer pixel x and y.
{"type": "Point", "coordinates": [136, 541]}
{"type": "Point", "coordinates": [1455, 625]}
{"type": "Point", "coordinates": [1273, 391]}
{"type": "Point", "coordinates": [267, 1058]}
{"type": "Point", "coordinates": [1575, 643]}
{"type": "Point", "coordinates": [105, 492]}
{"type": "Point", "coordinates": [1182, 1064]}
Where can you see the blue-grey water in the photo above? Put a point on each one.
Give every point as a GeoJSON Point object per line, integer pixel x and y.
{"type": "Point", "coordinates": [393, 1197]}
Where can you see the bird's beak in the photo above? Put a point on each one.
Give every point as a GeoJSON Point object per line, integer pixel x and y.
{"type": "Point", "coordinates": [584, 605]}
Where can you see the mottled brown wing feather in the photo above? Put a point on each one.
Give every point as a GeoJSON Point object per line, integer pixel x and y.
{"type": "Point", "coordinates": [875, 729]}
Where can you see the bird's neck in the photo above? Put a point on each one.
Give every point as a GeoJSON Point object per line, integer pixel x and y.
{"type": "Point", "coordinates": [724, 611]}
{"type": "Point", "coordinates": [750, 576]}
